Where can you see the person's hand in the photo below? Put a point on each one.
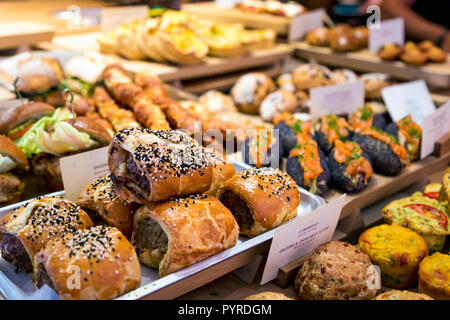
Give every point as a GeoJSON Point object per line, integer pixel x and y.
{"type": "Point", "coordinates": [446, 43]}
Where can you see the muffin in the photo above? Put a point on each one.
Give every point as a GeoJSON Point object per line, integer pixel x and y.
{"type": "Point", "coordinates": [311, 75]}
{"type": "Point", "coordinates": [444, 194]}
{"type": "Point", "coordinates": [422, 214]}
{"type": "Point", "coordinates": [318, 37]}
{"type": "Point", "coordinates": [434, 276]}
{"type": "Point", "coordinates": [337, 271]}
{"type": "Point", "coordinates": [250, 90]}
{"type": "Point", "coordinates": [397, 251]}
{"type": "Point", "coordinates": [402, 295]}
{"type": "Point", "coordinates": [268, 296]}
{"type": "Point", "coordinates": [390, 52]}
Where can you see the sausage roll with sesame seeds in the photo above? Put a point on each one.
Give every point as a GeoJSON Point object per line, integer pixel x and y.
{"type": "Point", "coordinates": [28, 228]}
{"type": "Point", "coordinates": [175, 234]}
{"type": "Point", "coordinates": [96, 263]}
{"type": "Point", "coordinates": [222, 170]}
{"type": "Point", "coordinates": [260, 199]}
{"type": "Point", "coordinates": [102, 205]}
{"type": "Point", "coordinates": [148, 165]}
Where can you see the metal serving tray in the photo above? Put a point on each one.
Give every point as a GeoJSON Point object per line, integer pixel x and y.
{"type": "Point", "coordinates": [15, 285]}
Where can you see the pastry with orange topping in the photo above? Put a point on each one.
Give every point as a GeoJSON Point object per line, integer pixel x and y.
{"type": "Point", "coordinates": [289, 128]}
{"type": "Point", "coordinates": [409, 135]}
{"type": "Point", "coordinates": [329, 129]}
{"type": "Point", "coordinates": [262, 148]}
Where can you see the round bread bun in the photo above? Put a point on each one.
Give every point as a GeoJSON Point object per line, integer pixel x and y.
{"type": "Point", "coordinates": [390, 52]}
{"type": "Point", "coordinates": [337, 271]}
{"type": "Point", "coordinates": [437, 55]}
{"type": "Point", "coordinates": [38, 74]}
{"type": "Point", "coordinates": [9, 149]}
{"type": "Point", "coordinates": [318, 37]}
{"type": "Point", "coordinates": [92, 128]}
{"type": "Point", "coordinates": [268, 295]}
{"type": "Point", "coordinates": [311, 75]}
{"type": "Point", "coordinates": [402, 295]}
{"type": "Point", "coordinates": [414, 57]}
{"type": "Point", "coordinates": [362, 33]}
{"type": "Point", "coordinates": [277, 102]}
{"type": "Point", "coordinates": [24, 113]}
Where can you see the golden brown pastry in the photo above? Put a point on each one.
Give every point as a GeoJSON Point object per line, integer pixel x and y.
{"type": "Point", "coordinates": [222, 171]}
{"type": "Point", "coordinates": [122, 88]}
{"type": "Point", "coordinates": [277, 102]}
{"type": "Point", "coordinates": [152, 86]}
{"type": "Point", "coordinates": [337, 271]}
{"type": "Point", "coordinates": [390, 52]}
{"type": "Point", "coordinates": [175, 234]}
{"type": "Point", "coordinates": [268, 296]}
{"type": "Point", "coordinates": [425, 45]}
{"type": "Point", "coordinates": [217, 102]}
{"type": "Point", "coordinates": [436, 54]}
{"type": "Point", "coordinates": [146, 40]}
{"type": "Point", "coordinates": [103, 206]}
{"type": "Point", "coordinates": [414, 57]}
{"type": "Point", "coordinates": [179, 117]}
{"type": "Point", "coordinates": [345, 41]}
{"type": "Point", "coordinates": [260, 199]}
{"type": "Point", "coordinates": [318, 37]}
{"type": "Point", "coordinates": [311, 75]}
{"type": "Point", "coordinates": [150, 165]}
{"type": "Point", "coordinates": [127, 42]}
{"type": "Point", "coordinates": [250, 90]}
{"type": "Point", "coordinates": [106, 261]}
{"type": "Point", "coordinates": [118, 117]}
{"type": "Point", "coordinates": [374, 83]}
{"type": "Point", "coordinates": [28, 228]}
{"type": "Point", "coordinates": [361, 34]}
{"type": "Point", "coordinates": [402, 295]}
{"type": "Point", "coordinates": [434, 276]}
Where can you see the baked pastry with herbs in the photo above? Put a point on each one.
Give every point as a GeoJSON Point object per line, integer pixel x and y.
{"type": "Point", "coordinates": [329, 129]}
{"type": "Point", "coordinates": [307, 165]}
{"type": "Point", "coordinates": [250, 90]}
{"type": "Point", "coordinates": [337, 271]}
{"type": "Point", "coordinates": [402, 295]}
{"type": "Point", "coordinates": [289, 128]}
{"type": "Point", "coordinates": [366, 118]}
{"type": "Point", "coordinates": [260, 199]}
{"type": "Point", "coordinates": [397, 251]}
{"type": "Point", "coordinates": [28, 228]}
{"type": "Point", "coordinates": [428, 217]}
{"type": "Point", "coordinates": [177, 233]}
{"type": "Point", "coordinates": [262, 148]}
{"type": "Point", "coordinates": [102, 256]}
{"type": "Point", "coordinates": [350, 167]}
{"type": "Point", "coordinates": [149, 165]}
{"type": "Point", "coordinates": [409, 135]}
{"type": "Point", "coordinates": [434, 276]}
{"type": "Point", "coordinates": [99, 200]}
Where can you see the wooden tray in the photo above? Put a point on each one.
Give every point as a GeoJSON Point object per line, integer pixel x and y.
{"type": "Point", "coordinates": [18, 33]}
{"type": "Point", "coordinates": [86, 42]}
{"type": "Point", "coordinates": [208, 10]}
{"type": "Point", "coordinates": [435, 74]}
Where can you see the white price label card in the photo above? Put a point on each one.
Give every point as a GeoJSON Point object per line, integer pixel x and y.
{"type": "Point", "coordinates": [337, 99]}
{"type": "Point", "coordinates": [81, 169]}
{"type": "Point", "coordinates": [301, 236]}
{"type": "Point", "coordinates": [390, 31]}
{"type": "Point", "coordinates": [115, 16]}
{"type": "Point", "coordinates": [408, 98]}
{"type": "Point", "coordinates": [305, 22]}
{"type": "Point", "coordinates": [434, 127]}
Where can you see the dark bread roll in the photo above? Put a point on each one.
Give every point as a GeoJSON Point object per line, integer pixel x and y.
{"type": "Point", "coordinates": [174, 234]}
{"type": "Point", "coordinates": [106, 260]}
{"type": "Point", "coordinates": [260, 199]}
{"type": "Point", "coordinates": [28, 228]}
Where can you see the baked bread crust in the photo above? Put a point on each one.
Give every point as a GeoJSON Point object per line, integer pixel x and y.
{"type": "Point", "coordinates": [222, 171]}
{"type": "Point", "coordinates": [197, 227]}
{"type": "Point", "coordinates": [250, 90]}
{"type": "Point", "coordinates": [100, 197]}
{"type": "Point", "coordinates": [268, 296]}
{"type": "Point", "coordinates": [9, 149]}
{"type": "Point", "coordinates": [271, 196]}
{"type": "Point", "coordinates": [23, 113]}
{"type": "Point", "coordinates": [434, 276]}
{"type": "Point", "coordinates": [107, 261]}
{"type": "Point", "coordinates": [171, 164]}
{"type": "Point", "coordinates": [402, 295]}
{"type": "Point", "coordinates": [42, 220]}
{"type": "Point", "coordinates": [310, 75]}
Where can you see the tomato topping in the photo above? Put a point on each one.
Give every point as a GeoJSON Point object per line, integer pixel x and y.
{"type": "Point", "coordinates": [432, 194]}
{"type": "Point", "coordinates": [19, 134]}
{"type": "Point", "coordinates": [307, 153]}
{"type": "Point", "coordinates": [429, 212]}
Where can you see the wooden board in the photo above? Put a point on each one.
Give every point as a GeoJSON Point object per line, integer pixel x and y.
{"type": "Point", "coordinates": [18, 33]}
{"type": "Point", "coordinates": [86, 42]}
{"type": "Point", "coordinates": [208, 10]}
{"type": "Point", "coordinates": [435, 74]}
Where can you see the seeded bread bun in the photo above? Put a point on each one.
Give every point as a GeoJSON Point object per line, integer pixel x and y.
{"type": "Point", "coordinates": [107, 264]}
{"type": "Point", "coordinates": [337, 271]}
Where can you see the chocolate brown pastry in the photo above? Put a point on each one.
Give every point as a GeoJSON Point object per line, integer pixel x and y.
{"type": "Point", "coordinates": [178, 233]}
{"type": "Point", "coordinates": [106, 261]}
{"type": "Point", "coordinates": [436, 54]}
{"type": "Point", "coordinates": [260, 199]}
{"type": "Point", "coordinates": [362, 34]}
{"type": "Point", "coordinates": [318, 37]}
{"type": "Point", "coordinates": [390, 52]}
{"type": "Point", "coordinates": [28, 228]}
{"type": "Point", "coordinates": [103, 206]}
{"type": "Point", "coordinates": [150, 165]}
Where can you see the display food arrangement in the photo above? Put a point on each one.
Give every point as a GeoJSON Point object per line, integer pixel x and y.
{"type": "Point", "coordinates": [198, 186]}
